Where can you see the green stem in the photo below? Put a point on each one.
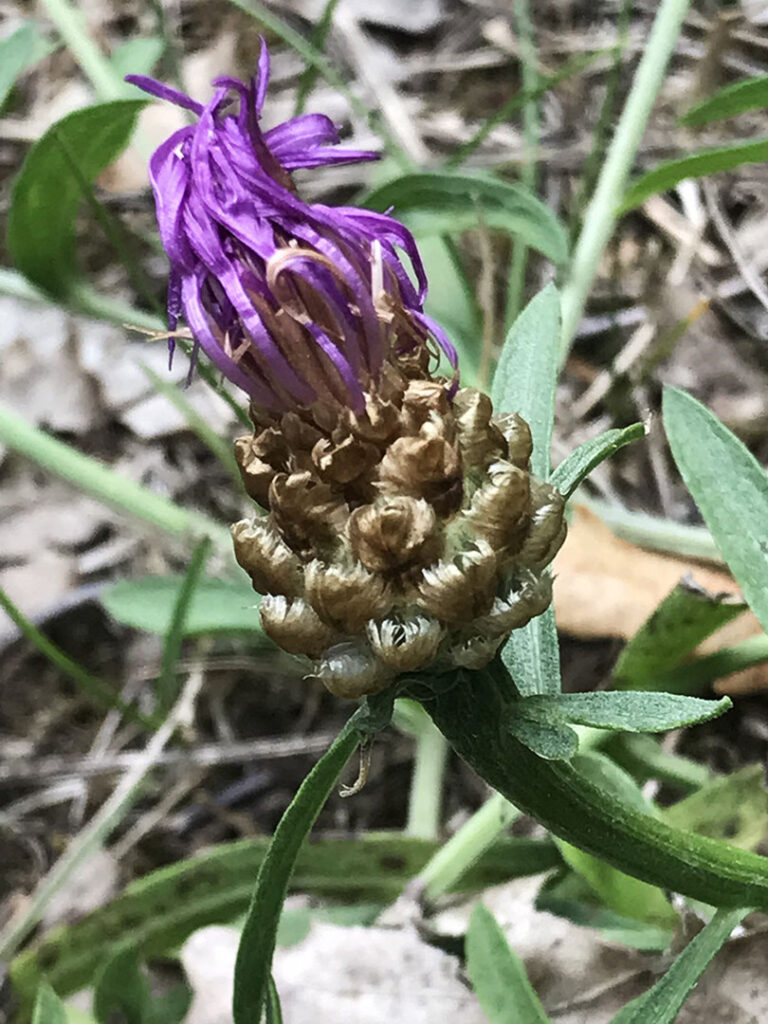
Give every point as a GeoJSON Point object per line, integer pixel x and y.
{"type": "Point", "coordinates": [71, 26]}
{"type": "Point", "coordinates": [464, 848]}
{"type": "Point", "coordinates": [426, 796]}
{"type": "Point", "coordinates": [521, 15]}
{"type": "Point", "coordinates": [472, 714]}
{"type": "Point", "coordinates": [601, 214]}
{"type": "Point", "coordinates": [104, 484]}
{"type": "Point", "coordinates": [257, 944]}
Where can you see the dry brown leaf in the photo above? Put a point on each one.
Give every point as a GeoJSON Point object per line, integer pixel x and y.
{"type": "Point", "coordinates": [608, 587]}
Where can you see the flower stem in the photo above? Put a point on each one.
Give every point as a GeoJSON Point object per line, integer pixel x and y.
{"type": "Point", "coordinates": [465, 847]}
{"type": "Point", "coordinates": [71, 26]}
{"type": "Point", "coordinates": [601, 214]}
{"type": "Point", "coordinates": [426, 796]}
{"type": "Point", "coordinates": [521, 14]}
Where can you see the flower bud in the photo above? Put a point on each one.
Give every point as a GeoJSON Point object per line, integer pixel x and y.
{"type": "Point", "coordinates": [459, 590]}
{"type": "Point", "coordinates": [547, 528]}
{"type": "Point", "coordinates": [500, 508]}
{"type": "Point", "coordinates": [272, 566]}
{"type": "Point", "coordinates": [295, 626]}
{"type": "Point", "coordinates": [480, 440]}
{"type": "Point", "coordinates": [352, 670]}
{"type": "Point", "coordinates": [406, 641]}
{"type": "Point", "coordinates": [346, 598]}
{"type": "Point", "coordinates": [393, 533]}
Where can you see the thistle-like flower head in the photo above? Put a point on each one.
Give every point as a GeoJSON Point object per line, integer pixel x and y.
{"type": "Point", "coordinates": [294, 302]}
{"type": "Point", "coordinates": [404, 529]}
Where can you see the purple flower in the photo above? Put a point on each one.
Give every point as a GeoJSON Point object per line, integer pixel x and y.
{"type": "Point", "coordinates": [294, 302]}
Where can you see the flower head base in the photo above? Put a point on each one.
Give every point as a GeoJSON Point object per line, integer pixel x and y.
{"type": "Point", "coordinates": [403, 530]}
{"type": "Point", "coordinates": [294, 302]}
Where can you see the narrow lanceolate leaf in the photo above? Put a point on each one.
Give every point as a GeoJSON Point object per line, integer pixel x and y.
{"type": "Point", "coordinates": [686, 617]}
{"type": "Point", "coordinates": [573, 470]}
{"type": "Point", "coordinates": [49, 1009]}
{"type": "Point", "coordinates": [498, 974]}
{"type": "Point", "coordinates": [662, 1003]}
{"type": "Point", "coordinates": [526, 373]}
{"type": "Point", "coordinates": [166, 686]}
{"type": "Point", "coordinates": [524, 382]}
{"type": "Point", "coordinates": [730, 487]}
{"type": "Point", "coordinates": [257, 944]}
{"type": "Point", "coordinates": [736, 98]}
{"type": "Point", "coordinates": [622, 712]}
{"type": "Point", "coordinates": [441, 202]}
{"type": "Point", "coordinates": [707, 161]}
{"type": "Point", "coordinates": [46, 194]}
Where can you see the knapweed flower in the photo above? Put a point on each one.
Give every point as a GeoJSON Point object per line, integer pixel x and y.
{"type": "Point", "coordinates": [403, 529]}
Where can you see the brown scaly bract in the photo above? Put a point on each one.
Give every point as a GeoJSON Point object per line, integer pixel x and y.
{"type": "Point", "coordinates": [410, 536]}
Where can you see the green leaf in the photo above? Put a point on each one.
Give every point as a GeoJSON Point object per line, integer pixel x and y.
{"type": "Point", "coordinates": [155, 914]}
{"type": "Point", "coordinates": [441, 202]}
{"type": "Point", "coordinates": [526, 374]}
{"type": "Point", "coordinates": [274, 1013]}
{"type": "Point", "coordinates": [623, 712]}
{"type": "Point", "coordinates": [453, 304]}
{"type": "Point", "coordinates": [217, 606]}
{"type": "Point", "coordinates": [662, 1003]}
{"type": "Point", "coordinates": [686, 616]}
{"type": "Point", "coordinates": [642, 756]}
{"type": "Point", "coordinates": [49, 1009]}
{"type": "Point", "coordinates": [580, 463]}
{"type": "Point", "coordinates": [706, 161]}
{"type": "Point", "coordinates": [730, 487]}
{"type": "Point", "coordinates": [257, 942]}
{"type": "Point", "coordinates": [733, 807]}
{"type": "Point", "coordinates": [700, 673]}
{"type": "Point", "coordinates": [532, 656]}
{"type": "Point", "coordinates": [498, 974]}
{"type": "Point", "coordinates": [619, 892]}
{"type": "Point", "coordinates": [735, 98]}
{"type": "Point", "coordinates": [123, 991]}
{"type": "Point", "coordinates": [137, 56]}
{"type": "Point", "coordinates": [524, 382]}
{"type": "Point", "coordinates": [583, 814]}
{"type": "Point", "coordinates": [569, 895]}
{"type": "Point", "coordinates": [167, 687]}
{"type": "Point", "coordinates": [46, 194]}
{"type": "Point", "coordinates": [19, 51]}
{"type": "Point", "coordinates": [552, 740]}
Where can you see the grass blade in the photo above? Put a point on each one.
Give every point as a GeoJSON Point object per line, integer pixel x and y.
{"type": "Point", "coordinates": [706, 161]}
{"type": "Point", "coordinates": [735, 98]}
{"type": "Point", "coordinates": [167, 689]}
{"type": "Point", "coordinates": [662, 1003]}
{"type": "Point", "coordinates": [91, 477]}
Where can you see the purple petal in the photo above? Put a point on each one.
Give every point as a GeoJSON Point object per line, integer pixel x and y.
{"type": "Point", "coordinates": [164, 92]}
